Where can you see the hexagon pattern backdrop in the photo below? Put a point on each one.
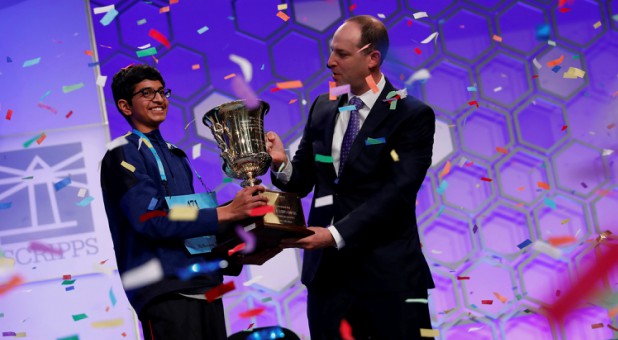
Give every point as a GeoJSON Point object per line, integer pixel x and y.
{"type": "Point", "coordinates": [528, 145]}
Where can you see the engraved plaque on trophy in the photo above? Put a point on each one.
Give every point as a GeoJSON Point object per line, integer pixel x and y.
{"type": "Point", "coordinates": [239, 133]}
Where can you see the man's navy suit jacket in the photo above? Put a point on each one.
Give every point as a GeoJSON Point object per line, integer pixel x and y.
{"type": "Point", "coordinates": [374, 197]}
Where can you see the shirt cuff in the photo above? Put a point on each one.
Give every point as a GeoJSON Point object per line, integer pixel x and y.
{"type": "Point", "coordinates": [285, 174]}
{"type": "Point", "coordinates": [338, 239]}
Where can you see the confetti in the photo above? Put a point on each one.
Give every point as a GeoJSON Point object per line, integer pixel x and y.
{"type": "Point", "coordinates": [281, 15]}
{"type": "Point", "coordinates": [71, 88]}
{"type": "Point", "coordinates": [9, 114]}
{"type": "Point", "coordinates": [152, 214]}
{"type": "Point", "coordinates": [282, 7]}
{"type": "Point", "coordinates": [547, 249]}
{"type": "Point", "coordinates": [128, 166]}
{"type": "Point", "coordinates": [158, 36]}
{"type": "Point", "coordinates": [109, 17]}
{"type": "Point", "coordinates": [338, 90]}
{"type": "Point", "coordinates": [420, 75]}
{"type": "Point", "coordinates": [502, 150]}
{"type": "Point", "coordinates": [202, 30]}
{"type": "Point", "coordinates": [473, 102]}
{"type": "Point", "coordinates": [472, 89]}
{"type": "Point", "coordinates": [420, 15]}
{"type": "Point", "coordinates": [249, 239]}
{"type": "Point", "coordinates": [13, 282]}
{"type": "Point", "coordinates": [103, 9]}
{"type": "Point", "coordinates": [141, 22]}
{"type": "Point", "coordinates": [416, 300]}
{"type": "Point", "coordinates": [85, 201]}
{"type": "Point", "coordinates": [417, 51]}
{"type": "Point", "coordinates": [573, 73]}
{"type": "Point", "coordinates": [147, 52]}
{"type": "Point", "coordinates": [524, 244]}
{"type": "Point", "coordinates": [183, 213]}
{"type": "Point", "coordinates": [375, 141]}
{"type": "Point", "coordinates": [347, 108]}
{"type": "Point", "coordinates": [108, 323]}
{"type": "Point", "coordinates": [394, 156]}
{"type": "Point", "coordinates": [543, 185]}
{"type": "Point", "coordinates": [550, 203]}
{"type": "Point", "coordinates": [147, 273]}
{"type": "Point", "coordinates": [597, 24]}
{"type": "Point", "coordinates": [62, 183]}
{"type": "Point", "coordinates": [431, 37]}
{"type": "Point", "coordinates": [442, 187]}
{"type": "Point", "coordinates": [5, 205]}
{"type": "Point", "coordinates": [112, 297]}
{"type": "Point", "coordinates": [31, 62]}
{"type": "Point", "coordinates": [196, 151]}
{"type": "Point", "coordinates": [245, 66]}
{"type": "Point", "coordinates": [101, 80]}
{"type": "Point", "coordinates": [323, 201]}
{"type": "Point", "coordinates": [77, 317]}
{"type": "Point", "coordinates": [542, 31]}
{"type": "Point", "coordinates": [460, 278]}
{"type": "Point", "coordinates": [260, 211]}
{"type": "Point", "coordinates": [429, 333]}
{"type": "Point", "coordinates": [252, 312]}
{"type": "Point", "coordinates": [497, 38]}
{"type": "Point", "coordinates": [352, 7]}
{"type": "Point", "coordinates": [323, 158]}
{"type": "Point", "coordinates": [116, 143]}
{"type": "Point", "coordinates": [70, 337]}
{"type": "Point", "coordinates": [561, 240]}
{"type": "Point", "coordinates": [487, 302]}
{"type": "Point", "coordinates": [485, 179]}
{"type": "Point", "coordinates": [294, 84]}
{"type": "Point", "coordinates": [502, 298]}
{"type": "Point", "coordinates": [243, 90]}
{"type": "Point", "coordinates": [218, 291]}
{"type": "Point", "coordinates": [164, 9]}
{"type": "Point", "coordinates": [237, 248]}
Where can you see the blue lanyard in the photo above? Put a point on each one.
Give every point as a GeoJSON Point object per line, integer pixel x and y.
{"type": "Point", "coordinates": [160, 164]}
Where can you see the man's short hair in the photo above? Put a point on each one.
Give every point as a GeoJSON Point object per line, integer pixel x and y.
{"type": "Point", "coordinates": [374, 33]}
{"type": "Point", "coordinates": [123, 84]}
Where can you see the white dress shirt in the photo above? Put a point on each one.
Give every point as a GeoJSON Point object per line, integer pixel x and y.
{"type": "Point", "coordinates": [369, 99]}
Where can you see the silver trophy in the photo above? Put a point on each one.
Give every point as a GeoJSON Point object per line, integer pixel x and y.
{"type": "Point", "coordinates": [239, 132]}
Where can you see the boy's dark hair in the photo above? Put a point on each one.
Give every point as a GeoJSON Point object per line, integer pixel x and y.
{"type": "Point", "coordinates": [374, 33]}
{"type": "Point", "coordinates": [123, 84]}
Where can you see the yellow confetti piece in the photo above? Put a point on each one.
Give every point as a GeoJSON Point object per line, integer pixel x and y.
{"type": "Point", "coordinates": [394, 156]}
{"type": "Point", "coordinates": [429, 333]}
{"type": "Point", "coordinates": [597, 24]}
{"type": "Point", "coordinates": [183, 213]}
{"type": "Point", "coordinates": [232, 75]}
{"type": "Point", "coordinates": [20, 335]}
{"type": "Point", "coordinates": [497, 38]}
{"type": "Point", "coordinates": [164, 9]}
{"type": "Point", "coordinates": [108, 323]}
{"type": "Point", "coordinates": [574, 73]}
{"type": "Point", "coordinates": [283, 16]}
{"type": "Point", "coordinates": [565, 221]}
{"type": "Point", "coordinates": [282, 7]}
{"type": "Point", "coordinates": [195, 66]}
{"type": "Point", "coordinates": [502, 299]}
{"type": "Point", "coordinates": [128, 166]}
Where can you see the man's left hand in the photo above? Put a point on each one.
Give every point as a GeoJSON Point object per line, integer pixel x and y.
{"type": "Point", "coordinates": [320, 239]}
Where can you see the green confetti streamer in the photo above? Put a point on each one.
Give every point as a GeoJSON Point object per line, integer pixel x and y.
{"type": "Point", "coordinates": [78, 317]}
{"type": "Point", "coordinates": [147, 52]}
{"type": "Point", "coordinates": [68, 282]}
{"type": "Point", "coordinates": [71, 88]}
{"type": "Point", "coordinates": [323, 158]}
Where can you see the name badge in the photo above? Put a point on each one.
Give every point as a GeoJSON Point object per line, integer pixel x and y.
{"type": "Point", "coordinates": [200, 244]}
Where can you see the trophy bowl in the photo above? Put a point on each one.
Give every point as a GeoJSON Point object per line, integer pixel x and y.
{"type": "Point", "coordinates": [239, 133]}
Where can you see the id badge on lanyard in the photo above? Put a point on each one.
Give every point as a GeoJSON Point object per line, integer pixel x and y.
{"type": "Point", "coordinates": [201, 244]}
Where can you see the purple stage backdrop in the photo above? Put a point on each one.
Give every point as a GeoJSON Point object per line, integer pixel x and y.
{"type": "Point", "coordinates": [526, 98]}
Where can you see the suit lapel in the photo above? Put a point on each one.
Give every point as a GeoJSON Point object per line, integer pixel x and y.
{"type": "Point", "coordinates": [378, 113]}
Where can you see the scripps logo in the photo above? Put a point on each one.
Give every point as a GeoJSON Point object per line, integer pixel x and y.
{"type": "Point", "coordinates": [40, 187]}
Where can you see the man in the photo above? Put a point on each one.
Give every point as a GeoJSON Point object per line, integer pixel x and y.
{"type": "Point", "coordinates": [140, 180]}
{"type": "Point", "coordinates": [364, 260]}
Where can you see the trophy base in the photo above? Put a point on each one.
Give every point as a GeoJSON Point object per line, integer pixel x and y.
{"type": "Point", "coordinates": [286, 221]}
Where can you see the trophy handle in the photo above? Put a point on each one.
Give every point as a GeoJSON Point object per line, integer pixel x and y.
{"type": "Point", "coordinates": [211, 120]}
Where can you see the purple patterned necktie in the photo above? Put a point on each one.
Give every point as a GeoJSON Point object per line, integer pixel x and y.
{"type": "Point", "coordinates": [350, 132]}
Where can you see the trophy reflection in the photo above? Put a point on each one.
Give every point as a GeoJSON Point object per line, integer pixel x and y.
{"type": "Point", "coordinates": [239, 133]}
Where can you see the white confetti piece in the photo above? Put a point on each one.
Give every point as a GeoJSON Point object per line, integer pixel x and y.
{"type": "Point", "coordinates": [143, 47]}
{"type": "Point", "coordinates": [324, 201]}
{"type": "Point", "coordinates": [104, 9]}
{"type": "Point", "coordinates": [547, 249]}
{"type": "Point", "coordinates": [196, 151]}
{"type": "Point", "coordinates": [422, 74]}
{"type": "Point", "coordinates": [82, 192]}
{"type": "Point", "coordinates": [245, 66]}
{"type": "Point", "coordinates": [537, 64]}
{"type": "Point", "coordinates": [431, 37]}
{"type": "Point", "coordinates": [145, 274]}
{"type": "Point", "coordinates": [498, 89]}
{"type": "Point", "coordinates": [116, 143]}
{"type": "Point", "coordinates": [419, 15]}
{"type": "Point", "coordinates": [101, 80]}
{"type": "Point", "coordinates": [607, 152]}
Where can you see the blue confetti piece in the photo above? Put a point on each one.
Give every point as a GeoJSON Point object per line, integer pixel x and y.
{"type": "Point", "coordinates": [442, 188]}
{"type": "Point", "coordinates": [112, 297]}
{"type": "Point", "coordinates": [153, 203]}
{"type": "Point", "coordinates": [347, 108]}
{"type": "Point", "coordinates": [5, 205]}
{"type": "Point", "coordinates": [63, 183]}
{"type": "Point", "coordinates": [9, 60]}
{"type": "Point", "coordinates": [267, 333]}
{"type": "Point", "coordinates": [262, 68]}
{"type": "Point", "coordinates": [556, 68]}
{"type": "Point", "coordinates": [94, 64]}
{"type": "Point", "coordinates": [375, 141]}
{"type": "Point", "coordinates": [472, 89]}
{"type": "Point", "coordinates": [85, 201]}
{"type": "Point", "coordinates": [45, 95]}
{"type": "Point", "coordinates": [440, 211]}
{"type": "Point", "coordinates": [69, 288]}
{"type": "Point", "coordinates": [549, 202]}
{"type": "Point", "coordinates": [542, 31]}
{"type": "Point", "coordinates": [524, 244]}
{"type": "Point", "coordinates": [473, 306]}
{"type": "Point", "coordinates": [31, 62]}
{"type": "Point", "coordinates": [202, 30]}
{"type": "Point", "coordinates": [109, 16]}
